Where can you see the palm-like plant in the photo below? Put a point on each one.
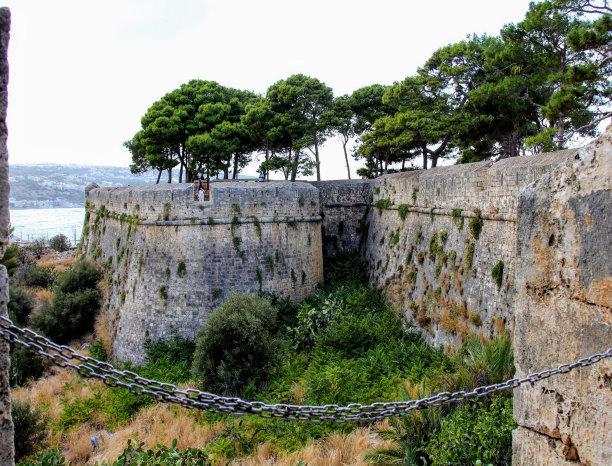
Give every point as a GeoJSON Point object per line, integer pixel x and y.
{"type": "Point", "coordinates": [410, 433]}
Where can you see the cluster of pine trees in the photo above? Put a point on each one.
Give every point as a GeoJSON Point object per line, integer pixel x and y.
{"type": "Point", "coordinates": [540, 85]}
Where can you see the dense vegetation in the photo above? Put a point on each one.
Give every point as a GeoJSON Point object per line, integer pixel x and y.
{"type": "Point", "coordinates": [345, 344]}
{"type": "Point", "coordinates": [536, 87]}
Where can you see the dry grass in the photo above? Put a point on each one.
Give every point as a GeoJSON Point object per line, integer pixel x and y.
{"type": "Point", "coordinates": [103, 330]}
{"type": "Point", "coordinates": [159, 423]}
{"type": "Point", "coordinates": [500, 325]}
{"type": "Point", "coordinates": [335, 450]}
{"type": "Point", "coordinates": [41, 294]}
{"type": "Point", "coordinates": [58, 263]}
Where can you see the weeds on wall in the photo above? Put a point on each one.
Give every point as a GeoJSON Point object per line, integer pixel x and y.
{"type": "Point", "coordinates": [259, 277]}
{"type": "Point", "coordinates": [181, 269]}
{"type": "Point", "coordinates": [476, 225]}
{"type": "Point", "coordinates": [402, 211]}
{"type": "Point", "coordinates": [270, 262]}
{"type": "Point", "coordinates": [166, 211]}
{"type": "Point", "coordinates": [383, 204]}
{"type": "Point", "coordinates": [469, 258]}
{"type": "Point", "coordinates": [163, 295]}
{"type": "Point", "coordinates": [498, 274]}
{"type": "Point", "coordinates": [457, 218]}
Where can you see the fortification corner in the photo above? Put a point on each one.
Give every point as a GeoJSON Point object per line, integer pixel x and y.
{"type": "Point", "coordinates": [564, 311]}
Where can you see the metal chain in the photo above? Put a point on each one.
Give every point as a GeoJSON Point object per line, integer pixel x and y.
{"type": "Point", "coordinates": [192, 398]}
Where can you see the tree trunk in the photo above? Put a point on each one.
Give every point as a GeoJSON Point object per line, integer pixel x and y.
{"type": "Point", "coordinates": [159, 175]}
{"type": "Point", "coordinates": [560, 132]}
{"type": "Point", "coordinates": [181, 173]}
{"type": "Point", "coordinates": [169, 175]}
{"type": "Point", "coordinates": [316, 154]}
{"type": "Point", "coordinates": [434, 160]}
{"type": "Point", "coordinates": [424, 151]}
{"type": "Point", "coordinates": [296, 161]}
{"type": "Point", "coordinates": [235, 173]}
{"type": "Point", "coordinates": [387, 154]}
{"type": "Point", "coordinates": [348, 170]}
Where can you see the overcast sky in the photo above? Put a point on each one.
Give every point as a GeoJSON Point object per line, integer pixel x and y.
{"type": "Point", "coordinates": [83, 72]}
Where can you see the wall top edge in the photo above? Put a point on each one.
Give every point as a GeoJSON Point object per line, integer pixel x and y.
{"type": "Point", "coordinates": [526, 161]}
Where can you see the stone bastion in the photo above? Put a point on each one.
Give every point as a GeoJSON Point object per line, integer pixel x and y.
{"type": "Point", "coordinates": [171, 260]}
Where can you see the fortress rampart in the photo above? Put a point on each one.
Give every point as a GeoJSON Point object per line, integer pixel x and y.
{"type": "Point", "coordinates": [442, 243]}
{"type": "Point", "coordinates": [170, 260]}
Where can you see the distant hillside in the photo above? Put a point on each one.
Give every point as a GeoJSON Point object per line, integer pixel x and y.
{"type": "Point", "coordinates": [49, 185]}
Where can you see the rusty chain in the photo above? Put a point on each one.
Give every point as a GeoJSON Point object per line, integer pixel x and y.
{"type": "Point", "coordinates": [62, 356]}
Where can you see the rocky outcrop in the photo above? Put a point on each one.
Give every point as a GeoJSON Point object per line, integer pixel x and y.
{"type": "Point", "coordinates": [563, 311]}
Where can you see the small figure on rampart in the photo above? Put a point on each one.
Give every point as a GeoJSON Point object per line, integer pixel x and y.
{"type": "Point", "coordinates": [262, 177]}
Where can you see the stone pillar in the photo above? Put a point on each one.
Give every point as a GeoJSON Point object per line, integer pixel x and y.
{"type": "Point", "coordinates": [564, 312]}
{"type": "Point", "coordinates": [6, 422]}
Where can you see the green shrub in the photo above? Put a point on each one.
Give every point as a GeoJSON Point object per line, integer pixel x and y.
{"type": "Point", "coordinates": [76, 300]}
{"type": "Point", "coordinates": [37, 247]}
{"type": "Point", "coordinates": [181, 269]}
{"type": "Point", "coordinates": [98, 351]}
{"type": "Point", "coordinates": [382, 204]}
{"type": "Point", "coordinates": [46, 458]}
{"type": "Point", "coordinates": [411, 434]}
{"type": "Point", "coordinates": [457, 218]}
{"type": "Point", "coordinates": [34, 276]}
{"type": "Point", "coordinates": [31, 428]}
{"type": "Point", "coordinates": [20, 305]}
{"type": "Point", "coordinates": [11, 259]}
{"type": "Point", "coordinates": [59, 242]}
{"type": "Point", "coordinates": [25, 366]}
{"type": "Point", "coordinates": [479, 431]}
{"type": "Point", "coordinates": [236, 346]}
{"type": "Point", "coordinates": [346, 268]}
{"type": "Point", "coordinates": [161, 454]}
{"type": "Point", "coordinates": [498, 274]}
{"type": "Point", "coordinates": [481, 362]}
{"type": "Point", "coordinates": [402, 211]}
{"type": "Point", "coordinates": [476, 225]}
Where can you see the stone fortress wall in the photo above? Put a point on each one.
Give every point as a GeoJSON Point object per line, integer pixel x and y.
{"type": "Point", "coordinates": [171, 260]}
{"type": "Point", "coordinates": [520, 244]}
{"type": "Point", "coordinates": [436, 237]}
{"type": "Point", "coordinates": [174, 259]}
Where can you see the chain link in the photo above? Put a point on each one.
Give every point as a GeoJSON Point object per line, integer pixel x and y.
{"type": "Point", "coordinates": [191, 398]}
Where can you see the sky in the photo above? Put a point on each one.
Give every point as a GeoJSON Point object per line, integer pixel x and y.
{"type": "Point", "coordinates": [84, 72]}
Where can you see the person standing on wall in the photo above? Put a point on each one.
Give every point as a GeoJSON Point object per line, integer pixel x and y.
{"type": "Point", "coordinates": [200, 192]}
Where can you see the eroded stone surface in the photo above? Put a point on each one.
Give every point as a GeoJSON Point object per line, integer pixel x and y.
{"type": "Point", "coordinates": [564, 311]}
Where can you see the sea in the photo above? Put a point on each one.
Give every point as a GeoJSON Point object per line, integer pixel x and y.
{"type": "Point", "coordinates": [31, 224]}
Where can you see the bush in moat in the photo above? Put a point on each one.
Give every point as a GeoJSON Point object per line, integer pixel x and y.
{"type": "Point", "coordinates": [76, 300]}
{"type": "Point", "coordinates": [20, 305]}
{"type": "Point", "coordinates": [59, 242]}
{"type": "Point", "coordinates": [25, 365]}
{"type": "Point", "coordinates": [37, 247]}
{"type": "Point", "coordinates": [31, 428]}
{"type": "Point", "coordinates": [237, 346]}
{"type": "Point", "coordinates": [30, 274]}
{"type": "Point", "coordinates": [479, 431]}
